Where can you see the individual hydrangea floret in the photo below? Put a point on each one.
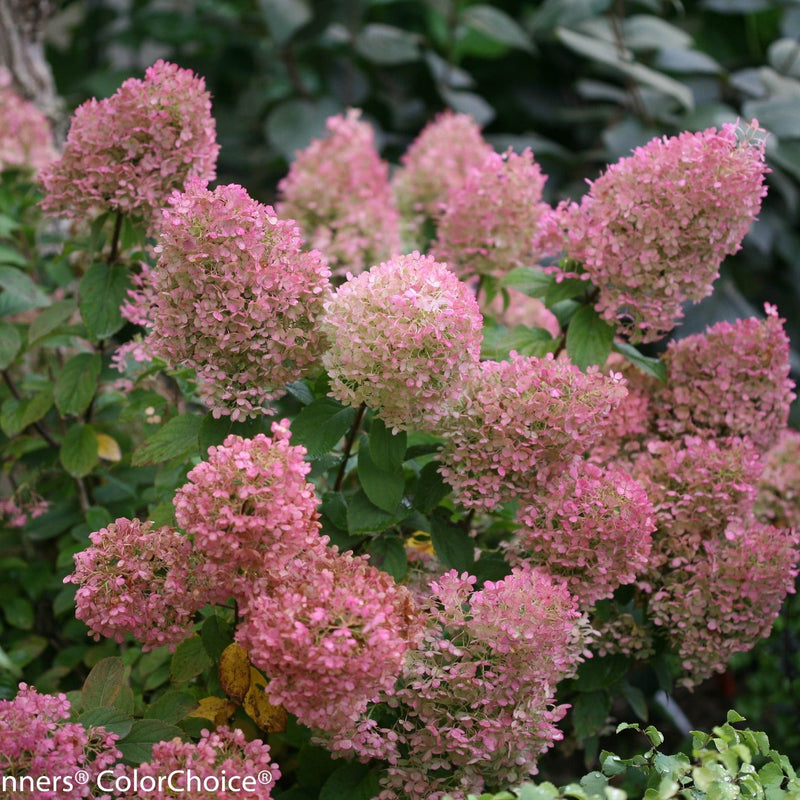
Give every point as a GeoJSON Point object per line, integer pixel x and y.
{"type": "Point", "coordinates": [475, 702]}
{"type": "Point", "coordinates": [138, 580]}
{"type": "Point", "coordinates": [26, 138]}
{"type": "Point", "coordinates": [778, 499]}
{"type": "Point", "coordinates": [403, 337]}
{"type": "Point", "coordinates": [592, 527]}
{"type": "Point", "coordinates": [237, 299]}
{"type": "Point", "coordinates": [250, 510]}
{"type": "Point", "coordinates": [128, 152]}
{"type": "Point", "coordinates": [653, 230]}
{"type": "Point", "coordinates": [732, 380]}
{"type": "Point", "coordinates": [206, 770]}
{"type": "Point", "coordinates": [520, 422]}
{"type": "Point", "coordinates": [435, 164]}
{"type": "Point", "coordinates": [727, 597]}
{"type": "Point", "coordinates": [41, 752]}
{"type": "Point", "coordinates": [330, 637]}
{"type": "Point", "coordinates": [338, 192]}
{"type": "Point", "coordinates": [488, 222]}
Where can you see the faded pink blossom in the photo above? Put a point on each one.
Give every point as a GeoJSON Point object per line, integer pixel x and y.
{"type": "Point", "coordinates": [732, 380]}
{"type": "Point", "coordinates": [727, 597]}
{"type": "Point", "coordinates": [338, 192]}
{"type": "Point", "coordinates": [128, 152]}
{"type": "Point", "coordinates": [250, 511]}
{"type": "Point", "coordinates": [475, 704]}
{"type": "Point", "coordinates": [778, 500]}
{"type": "Point", "coordinates": [488, 222]}
{"type": "Point", "coordinates": [653, 230]}
{"type": "Point", "coordinates": [330, 637]}
{"type": "Point", "coordinates": [519, 422]}
{"type": "Point", "coordinates": [195, 768]}
{"type": "Point", "coordinates": [237, 299]}
{"type": "Point", "coordinates": [38, 742]}
{"type": "Point", "coordinates": [592, 527]}
{"type": "Point", "coordinates": [138, 580]}
{"type": "Point", "coordinates": [26, 138]}
{"type": "Point", "coordinates": [403, 337]}
{"type": "Point", "coordinates": [435, 164]}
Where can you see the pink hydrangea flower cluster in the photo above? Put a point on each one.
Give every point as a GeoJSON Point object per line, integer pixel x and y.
{"type": "Point", "coordinates": [488, 221]}
{"type": "Point", "coordinates": [520, 422]}
{"type": "Point", "coordinates": [698, 487]}
{"type": "Point", "coordinates": [338, 192]}
{"type": "Point", "coordinates": [330, 637]}
{"type": "Point", "coordinates": [653, 230]}
{"type": "Point", "coordinates": [403, 338]}
{"type": "Point", "coordinates": [138, 580]}
{"type": "Point", "coordinates": [128, 152]}
{"type": "Point", "coordinates": [37, 742]}
{"type": "Point", "coordinates": [435, 164]}
{"type": "Point", "coordinates": [593, 527]}
{"type": "Point", "coordinates": [778, 499]}
{"type": "Point", "coordinates": [201, 766]}
{"type": "Point", "coordinates": [26, 139]}
{"type": "Point", "coordinates": [250, 511]}
{"type": "Point", "coordinates": [16, 512]}
{"type": "Point", "coordinates": [727, 597]}
{"type": "Point", "coordinates": [732, 380]}
{"type": "Point", "coordinates": [237, 299]}
{"type": "Point", "coordinates": [475, 703]}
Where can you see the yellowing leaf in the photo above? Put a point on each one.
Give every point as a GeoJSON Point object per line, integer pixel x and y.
{"type": "Point", "coordinates": [108, 448]}
{"type": "Point", "coordinates": [216, 709]}
{"type": "Point", "coordinates": [269, 718]}
{"type": "Point", "coordinates": [234, 672]}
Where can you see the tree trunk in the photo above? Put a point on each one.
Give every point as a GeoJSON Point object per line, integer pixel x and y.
{"type": "Point", "coordinates": [22, 24]}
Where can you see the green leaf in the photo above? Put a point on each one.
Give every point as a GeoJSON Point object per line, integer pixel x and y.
{"type": "Point", "coordinates": [468, 103]}
{"type": "Point", "coordinates": [102, 291]}
{"type": "Point", "coordinates": [351, 781]}
{"type": "Point", "coordinates": [453, 546]}
{"type": "Point", "coordinates": [137, 746]}
{"type": "Point", "coordinates": [213, 432]}
{"type": "Point", "coordinates": [321, 425]}
{"type": "Point", "coordinates": [292, 124]}
{"type": "Point", "coordinates": [608, 54]}
{"type": "Point", "coordinates": [177, 439]}
{"type": "Point", "coordinates": [8, 255]}
{"type": "Point", "coordinates": [112, 719]}
{"type": "Point", "coordinates": [76, 384]}
{"type": "Point", "coordinates": [431, 488]}
{"type": "Point", "coordinates": [589, 713]}
{"type": "Point", "coordinates": [11, 416]}
{"type": "Point", "coordinates": [365, 517]}
{"type": "Point", "coordinates": [216, 635]}
{"type": "Point", "coordinates": [19, 613]}
{"type": "Point", "coordinates": [499, 342]}
{"type": "Point", "coordinates": [285, 17]}
{"type": "Point", "coordinates": [20, 292]}
{"type": "Point", "coordinates": [171, 707]}
{"type": "Point", "coordinates": [600, 673]}
{"type": "Point", "coordinates": [384, 488]}
{"type": "Point", "coordinates": [531, 281]}
{"type": "Point", "coordinates": [106, 687]}
{"type": "Point", "coordinates": [98, 517]}
{"type": "Point", "coordinates": [189, 660]}
{"type": "Point", "coordinates": [565, 290]}
{"type": "Point", "coordinates": [388, 554]}
{"type": "Point", "coordinates": [35, 408]}
{"type": "Point", "coordinates": [387, 45]}
{"type": "Point", "coordinates": [10, 343]}
{"type": "Point", "coordinates": [636, 699]}
{"type": "Point", "coordinates": [652, 366]}
{"type": "Point", "coordinates": [387, 449]}
{"type": "Point", "coordinates": [497, 25]}
{"type": "Point", "coordinates": [589, 338]}
{"type": "Point", "coordinates": [79, 450]}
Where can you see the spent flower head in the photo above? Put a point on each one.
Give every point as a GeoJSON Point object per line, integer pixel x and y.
{"type": "Point", "coordinates": [128, 152]}
{"type": "Point", "coordinates": [338, 192]}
